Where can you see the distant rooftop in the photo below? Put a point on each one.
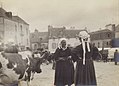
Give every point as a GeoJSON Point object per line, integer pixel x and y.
{"type": "Point", "coordinates": [56, 32]}
{"type": "Point", "coordinates": [100, 31]}
{"type": "Point", "coordinates": [117, 28]}
{"type": "Point", "coordinates": [18, 19]}
{"type": "Point", "coordinates": [8, 15]}
{"type": "Point", "coordinates": [37, 36]}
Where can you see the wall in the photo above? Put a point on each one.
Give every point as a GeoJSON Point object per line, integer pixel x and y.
{"type": "Point", "coordinates": [102, 35]}
{"type": "Point", "coordinates": [117, 34]}
{"type": "Point", "coordinates": [54, 43]}
{"type": "Point", "coordinates": [73, 42]}
{"type": "Point", "coordinates": [16, 31]}
{"type": "Point", "coordinates": [1, 29]}
{"type": "Point", "coordinates": [102, 43]}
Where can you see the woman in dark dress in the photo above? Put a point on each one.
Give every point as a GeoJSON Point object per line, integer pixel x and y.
{"type": "Point", "coordinates": [64, 71]}
{"type": "Point", "coordinates": [82, 54]}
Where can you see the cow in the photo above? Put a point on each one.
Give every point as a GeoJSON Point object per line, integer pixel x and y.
{"type": "Point", "coordinates": [15, 68]}
{"type": "Point", "coordinates": [36, 60]}
{"type": "Point", "coordinates": [42, 54]}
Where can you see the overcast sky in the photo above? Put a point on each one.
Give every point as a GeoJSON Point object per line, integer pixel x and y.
{"type": "Point", "coordinates": [93, 14]}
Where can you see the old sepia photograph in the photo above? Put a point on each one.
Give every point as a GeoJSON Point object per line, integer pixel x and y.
{"type": "Point", "coordinates": [59, 42]}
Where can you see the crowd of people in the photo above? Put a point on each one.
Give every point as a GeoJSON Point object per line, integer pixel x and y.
{"type": "Point", "coordinates": [64, 58]}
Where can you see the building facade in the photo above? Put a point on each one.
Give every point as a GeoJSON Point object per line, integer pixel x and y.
{"type": "Point", "coordinates": [13, 28]}
{"type": "Point", "coordinates": [115, 41]}
{"type": "Point", "coordinates": [117, 31]}
{"type": "Point", "coordinates": [38, 40]}
{"type": "Point", "coordinates": [102, 38]}
{"type": "Point", "coordinates": [55, 34]}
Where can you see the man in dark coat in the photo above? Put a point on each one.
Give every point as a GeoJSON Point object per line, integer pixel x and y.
{"type": "Point", "coordinates": [82, 54]}
{"type": "Point", "coordinates": [64, 71]}
{"type": "Point", "coordinates": [116, 57]}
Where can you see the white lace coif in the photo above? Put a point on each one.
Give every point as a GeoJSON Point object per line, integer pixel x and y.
{"type": "Point", "coordinates": [84, 35]}
{"type": "Point", "coordinates": [59, 43]}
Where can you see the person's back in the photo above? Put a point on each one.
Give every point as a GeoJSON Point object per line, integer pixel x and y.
{"type": "Point", "coordinates": [116, 57]}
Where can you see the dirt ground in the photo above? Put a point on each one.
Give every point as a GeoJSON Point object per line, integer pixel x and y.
{"type": "Point", "coordinates": [107, 75]}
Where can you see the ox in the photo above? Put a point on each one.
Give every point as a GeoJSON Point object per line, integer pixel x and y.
{"type": "Point", "coordinates": [14, 68]}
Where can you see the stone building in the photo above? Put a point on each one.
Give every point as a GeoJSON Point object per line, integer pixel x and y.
{"type": "Point", "coordinates": [55, 33]}
{"type": "Point", "coordinates": [117, 31]}
{"type": "Point", "coordinates": [115, 41]}
{"type": "Point", "coordinates": [102, 38]}
{"type": "Point", "coordinates": [13, 28]}
{"type": "Point", "coordinates": [38, 39]}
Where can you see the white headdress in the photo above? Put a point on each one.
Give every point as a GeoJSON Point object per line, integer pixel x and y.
{"type": "Point", "coordinates": [59, 44]}
{"type": "Point", "coordinates": [84, 35]}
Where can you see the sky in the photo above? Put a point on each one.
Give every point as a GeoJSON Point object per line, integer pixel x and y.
{"type": "Point", "coordinates": [93, 14]}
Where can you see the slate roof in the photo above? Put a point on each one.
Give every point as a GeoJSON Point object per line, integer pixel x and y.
{"type": "Point", "coordinates": [117, 28]}
{"type": "Point", "coordinates": [71, 33]}
{"type": "Point", "coordinates": [2, 12]}
{"type": "Point", "coordinates": [63, 32]}
{"type": "Point", "coordinates": [37, 37]}
{"type": "Point", "coordinates": [13, 18]}
{"type": "Point", "coordinates": [18, 19]}
{"type": "Point", "coordinates": [56, 32]}
{"type": "Point", "coordinates": [101, 31]}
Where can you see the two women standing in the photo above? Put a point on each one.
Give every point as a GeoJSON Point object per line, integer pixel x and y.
{"type": "Point", "coordinates": [85, 73]}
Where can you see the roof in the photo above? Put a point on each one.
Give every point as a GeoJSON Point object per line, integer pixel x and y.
{"type": "Point", "coordinates": [63, 32]}
{"type": "Point", "coordinates": [40, 36]}
{"type": "Point", "coordinates": [18, 19]}
{"type": "Point", "coordinates": [71, 33]}
{"type": "Point", "coordinates": [3, 13]}
{"type": "Point", "coordinates": [56, 32]}
{"type": "Point", "coordinates": [117, 28]}
{"type": "Point", "coordinates": [100, 31]}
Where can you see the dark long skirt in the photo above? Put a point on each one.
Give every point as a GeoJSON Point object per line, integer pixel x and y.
{"type": "Point", "coordinates": [116, 58]}
{"type": "Point", "coordinates": [64, 73]}
{"type": "Point", "coordinates": [85, 74]}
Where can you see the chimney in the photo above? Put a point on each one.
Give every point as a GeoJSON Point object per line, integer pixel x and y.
{"type": "Point", "coordinates": [50, 27]}
{"type": "Point", "coordinates": [36, 31]}
{"type": "Point", "coordinates": [110, 27]}
{"type": "Point", "coordinates": [9, 14]}
{"type": "Point", "coordinates": [113, 27]}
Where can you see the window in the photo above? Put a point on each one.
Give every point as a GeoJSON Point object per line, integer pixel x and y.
{"type": "Point", "coordinates": [54, 45]}
{"type": "Point", "coordinates": [15, 33]}
{"type": "Point", "coordinates": [35, 46]}
{"type": "Point", "coordinates": [21, 28]}
{"type": "Point", "coordinates": [15, 28]}
{"type": "Point", "coordinates": [27, 31]}
{"type": "Point", "coordinates": [98, 44]}
{"type": "Point", "coordinates": [107, 43]}
{"type": "Point", "coordinates": [108, 35]}
{"type": "Point", "coordinates": [27, 42]}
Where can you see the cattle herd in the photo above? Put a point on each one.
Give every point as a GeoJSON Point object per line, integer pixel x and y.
{"type": "Point", "coordinates": [21, 66]}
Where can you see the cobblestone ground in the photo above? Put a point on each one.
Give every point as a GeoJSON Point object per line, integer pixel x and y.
{"type": "Point", "coordinates": [107, 75]}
